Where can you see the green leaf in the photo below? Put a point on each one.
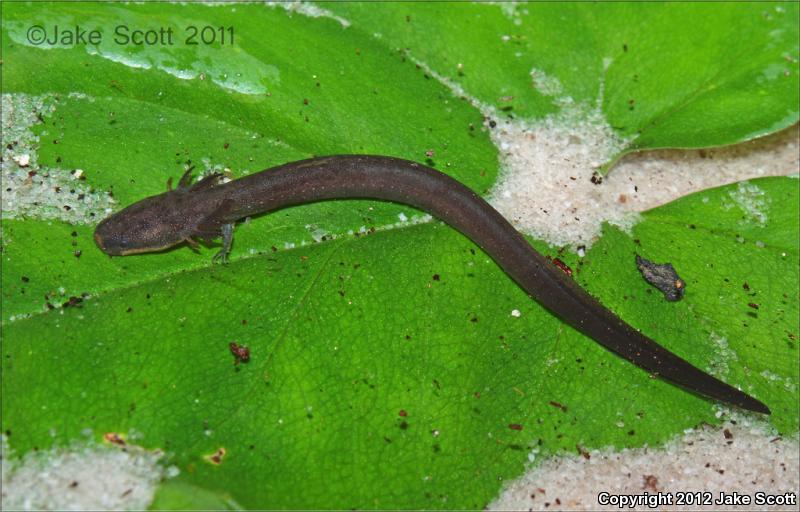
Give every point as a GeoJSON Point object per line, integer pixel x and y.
{"type": "Point", "coordinates": [386, 370]}
{"type": "Point", "coordinates": [352, 366]}
{"type": "Point", "coordinates": [665, 75]}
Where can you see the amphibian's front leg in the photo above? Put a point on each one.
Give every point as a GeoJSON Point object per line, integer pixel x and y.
{"type": "Point", "coordinates": [227, 243]}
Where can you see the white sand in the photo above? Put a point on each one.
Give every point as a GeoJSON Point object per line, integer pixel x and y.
{"type": "Point", "coordinates": [735, 458]}
{"type": "Point", "coordinates": [546, 188]}
{"type": "Point", "coordinates": [83, 476]}
{"type": "Point", "coordinates": [33, 190]}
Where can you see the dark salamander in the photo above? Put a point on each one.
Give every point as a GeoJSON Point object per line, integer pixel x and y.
{"type": "Point", "coordinates": [208, 210]}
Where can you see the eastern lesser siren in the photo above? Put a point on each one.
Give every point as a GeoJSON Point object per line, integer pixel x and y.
{"type": "Point", "coordinates": [208, 209]}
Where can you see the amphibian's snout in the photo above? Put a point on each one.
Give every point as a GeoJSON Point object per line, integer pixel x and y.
{"type": "Point", "coordinates": [98, 239]}
{"type": "Point", "coordinates": [111, 238]}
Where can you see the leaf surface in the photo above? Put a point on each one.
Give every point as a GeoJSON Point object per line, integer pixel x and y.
{"type": "Point", "coordinates": [665, 75]}
{"type": "Point", "coordinates": [387, 369]}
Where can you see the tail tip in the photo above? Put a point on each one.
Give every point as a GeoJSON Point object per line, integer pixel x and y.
{"type": "Point", "coordinates": [751, 404]}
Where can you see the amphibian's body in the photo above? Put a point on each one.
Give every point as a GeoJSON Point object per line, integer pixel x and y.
{"type": "Point", "coordinates": [208, 210]}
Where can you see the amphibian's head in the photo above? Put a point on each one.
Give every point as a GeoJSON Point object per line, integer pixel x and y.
{"type": "Point", "coordinates": [146, 226]}
{"type": "Point", "coordinates": [159, 222]}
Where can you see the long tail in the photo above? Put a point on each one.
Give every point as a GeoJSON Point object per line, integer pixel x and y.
{"type": "Point", "coordinates": [392, 179]}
